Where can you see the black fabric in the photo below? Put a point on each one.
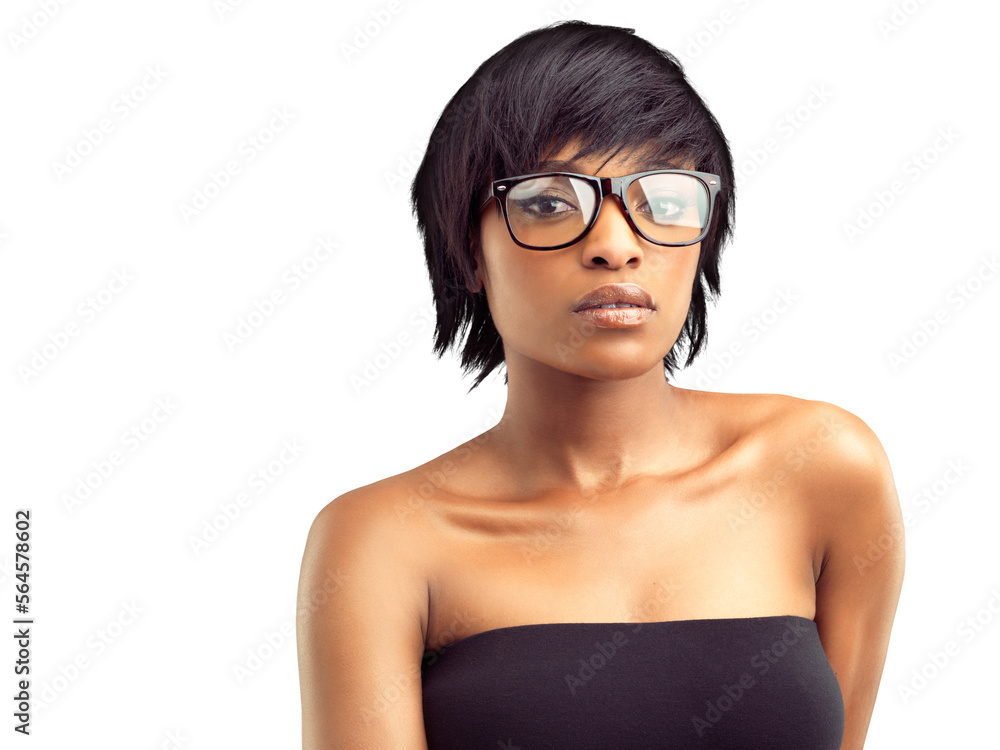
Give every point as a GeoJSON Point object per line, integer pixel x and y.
{"type": "Point", "coordinates": [752, 682]}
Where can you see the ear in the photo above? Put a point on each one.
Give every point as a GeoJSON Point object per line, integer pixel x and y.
{"type": "Point", "coordinates": [478, 264]}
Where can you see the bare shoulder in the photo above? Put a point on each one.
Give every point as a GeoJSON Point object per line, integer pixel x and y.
{"type": "Point", "coordinates": [839, 456]}
{"type": "Point", "coordinates": [831, 458]}
{"type": "Point", "coordinates": [361, 625]}
{"type": "Point", "coordinates": [802, 432]}
{"type": "Point", "coordinates": [378, 508]}
{"type": "Point", "coordinates": [837, 465]}
{"type": "Point", "coordinates": [365, 529]}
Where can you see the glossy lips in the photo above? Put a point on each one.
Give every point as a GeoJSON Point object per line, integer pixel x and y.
{"type": "Point", "coordinates": [590, 308]}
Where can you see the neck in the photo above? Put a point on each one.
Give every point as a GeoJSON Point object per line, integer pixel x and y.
{"type": "Point", "coordinates": [561, 430]}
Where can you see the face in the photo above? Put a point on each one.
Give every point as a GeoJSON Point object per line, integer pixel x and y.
{"type": "Point", "coordinates": [532, 295]}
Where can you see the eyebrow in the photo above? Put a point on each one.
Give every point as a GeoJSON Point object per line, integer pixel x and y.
{"type": "Point", "coordinates": [559, 165]}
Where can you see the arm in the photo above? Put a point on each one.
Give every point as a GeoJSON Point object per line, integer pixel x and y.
{"type": "Point", "coordinates": [859, 521]}
{"type": "Point", "coordinates": [361, 604]}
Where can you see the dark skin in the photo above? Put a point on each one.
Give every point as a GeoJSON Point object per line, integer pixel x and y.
{"type": "Point", "coordinates": [604, 494]}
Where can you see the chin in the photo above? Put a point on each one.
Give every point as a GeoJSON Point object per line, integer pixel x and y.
{"type": "Point", "coordinates": [612, 367]}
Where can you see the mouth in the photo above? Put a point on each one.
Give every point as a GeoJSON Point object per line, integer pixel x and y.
{"type": "Point", "coordinates": [615, 297]}
{"type": "Point", "coordinates": [615, 306]}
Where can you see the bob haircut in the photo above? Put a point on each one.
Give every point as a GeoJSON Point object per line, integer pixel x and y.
{"type": "Point", "coordinates": [601, 85]}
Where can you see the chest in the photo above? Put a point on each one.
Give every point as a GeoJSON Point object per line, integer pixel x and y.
{"type": "Point", "coordinates": [656, 552]}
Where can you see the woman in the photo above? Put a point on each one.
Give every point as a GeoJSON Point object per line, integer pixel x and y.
{"type": "Point", "coordinates": [619, 562]}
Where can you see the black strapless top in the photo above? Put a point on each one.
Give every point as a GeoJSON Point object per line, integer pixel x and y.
{"type": "Point", "coordinates": [747, 682]}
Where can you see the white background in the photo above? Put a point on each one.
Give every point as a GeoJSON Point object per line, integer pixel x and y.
{"type": "Point", "coordinates": [896, 75]}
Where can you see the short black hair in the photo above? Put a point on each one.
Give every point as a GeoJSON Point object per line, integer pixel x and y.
{"type": "Point", "coordinates": [601, 85]}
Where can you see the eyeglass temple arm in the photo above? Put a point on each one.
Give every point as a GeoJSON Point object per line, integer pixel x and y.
{"type": "Point", "coordinates": [489, 197]}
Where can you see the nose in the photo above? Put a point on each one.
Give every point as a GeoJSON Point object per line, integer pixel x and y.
{"type": "Point", "coordinates": [611, 242]}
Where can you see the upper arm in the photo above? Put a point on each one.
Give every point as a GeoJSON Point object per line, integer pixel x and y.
{"type": "Point", "coordinates": [361, 606]}
{"type": "Point", "coordinates": [860, 523]}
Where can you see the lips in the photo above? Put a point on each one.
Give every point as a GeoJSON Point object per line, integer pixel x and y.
{"type": "Point", "coordinates": [616, 294]}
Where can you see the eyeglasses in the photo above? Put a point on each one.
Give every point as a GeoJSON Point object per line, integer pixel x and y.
{"type": "Point", "coordinates": [552, 210]}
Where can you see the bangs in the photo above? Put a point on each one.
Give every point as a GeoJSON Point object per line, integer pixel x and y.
{"type": "Point", "coordinates": [603, 96]}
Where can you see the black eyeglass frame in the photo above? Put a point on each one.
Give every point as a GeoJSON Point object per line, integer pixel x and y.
{"type": "Point", "coordinates": [604, 186]}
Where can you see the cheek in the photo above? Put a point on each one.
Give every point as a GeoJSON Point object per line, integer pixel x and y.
{"type": "Point", "coordinates": [516, 282]}
{"type": "Point", "coordinates": [685, 273]}
{"type": "Point", "coordinates": [517, 297]}
{"type": "Point", "coordinates": [507, 281]}
{"type": "Point", "coordinates": [678, 273]}
{"type": "Point", "coordinates": [672, 271]}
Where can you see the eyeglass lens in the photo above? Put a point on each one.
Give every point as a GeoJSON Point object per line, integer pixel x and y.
{"type": "Point", "coordinates": [555, 209]}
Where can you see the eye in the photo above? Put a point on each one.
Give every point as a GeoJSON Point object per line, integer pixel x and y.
{"type": "Point", "coordinates": [545, 197]}
{"type": "Point", "coordinates": [664, 208]}
{"type": "Point", "coordinates": [542, 205]}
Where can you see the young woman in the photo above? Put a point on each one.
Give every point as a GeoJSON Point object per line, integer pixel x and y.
{"type": "Point", "coordinates": [619, 563]}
